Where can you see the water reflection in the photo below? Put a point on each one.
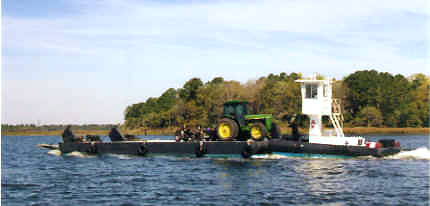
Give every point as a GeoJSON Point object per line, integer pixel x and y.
{"type": "Point", "coordinates": [242, 174]}
{"type": "Point", "coordinates": [323, 177]}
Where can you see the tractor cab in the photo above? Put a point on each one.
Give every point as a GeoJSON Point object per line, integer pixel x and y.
{"type": "Point", "coordinates": [236, 110]}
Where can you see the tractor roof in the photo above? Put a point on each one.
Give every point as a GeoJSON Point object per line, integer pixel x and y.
{"type": "Point", "coordinates": [236, 102]}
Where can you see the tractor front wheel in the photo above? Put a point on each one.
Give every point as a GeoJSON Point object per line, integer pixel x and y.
{"type": "Point", "coordinates": [227, 129]}
{"type": "Point", "coordinates": [258, 131]}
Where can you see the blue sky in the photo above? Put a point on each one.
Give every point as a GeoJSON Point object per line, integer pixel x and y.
{"type": "Point", "coordinates": [84, 61]}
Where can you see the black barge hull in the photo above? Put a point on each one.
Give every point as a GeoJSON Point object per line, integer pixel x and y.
{"type": "Point", "coordinates": [244, 148]}
{"type": "Point", "coordinates": [307, 148]}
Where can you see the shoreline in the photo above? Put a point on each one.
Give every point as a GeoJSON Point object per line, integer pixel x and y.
{"type": "Point", "coordinates": [171, 131]}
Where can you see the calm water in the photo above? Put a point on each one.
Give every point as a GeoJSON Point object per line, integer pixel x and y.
{"type": "Point", "coordinates": [35, 176]}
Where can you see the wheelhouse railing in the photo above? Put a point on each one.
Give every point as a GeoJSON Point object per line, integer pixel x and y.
{"type": "Point", "coordinates": [336, 117]}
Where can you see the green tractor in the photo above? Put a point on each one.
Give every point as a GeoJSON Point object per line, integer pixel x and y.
{"type": "Point", "coordinates": [238, 124]}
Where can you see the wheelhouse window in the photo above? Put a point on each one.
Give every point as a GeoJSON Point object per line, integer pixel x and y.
{"type": "Point", "coordinates": [311, 91]}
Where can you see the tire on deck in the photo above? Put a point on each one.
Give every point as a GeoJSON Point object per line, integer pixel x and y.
{"type": "Point", "coordinates": [142, 150]}
{"type": "Point", "coordinates": [200, 151]}
{"type": "Point", "coordinates": [247, 152]}
{"type": "Point", "coordinates": [92, 149]}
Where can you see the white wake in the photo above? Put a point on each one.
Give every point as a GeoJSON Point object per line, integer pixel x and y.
{"type": "Point", "coordinates": [55, 152]}
{"type": "Point", "coordinates": [421, 153]}
{"type": "Point", "coordinates": [269, 156]}
{"type": "Point", "coordinates": [80, 154]}
{"type": "Point", "coordinates": [121, 156]}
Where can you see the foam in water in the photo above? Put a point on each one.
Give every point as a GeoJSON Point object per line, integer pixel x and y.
{"type": "Point", "coordinates": [55, 152]}
{"type": "Point", "coordinates": [269, 156]}
{"type": "Point", "coordinates": [79, 154]}
{"type": "Point", "coordinates": [283, 155]}
{"type": "Point", "coordinates": [420, 153]}
{"type": "Point", "coordinates": [122, 157]}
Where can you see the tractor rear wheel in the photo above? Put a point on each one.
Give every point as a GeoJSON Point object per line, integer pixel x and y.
{"type": "Point", "coordinates": [258, 131]}
{"type": "Point", "coordinates": [227, 129]}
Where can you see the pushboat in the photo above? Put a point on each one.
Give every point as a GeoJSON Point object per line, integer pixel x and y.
{"type": "Point", "coordinates": [317, 102]}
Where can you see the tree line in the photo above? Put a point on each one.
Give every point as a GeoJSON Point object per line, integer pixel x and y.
{"type": "Point", "coordinates": [369, 98]}
{"type": "Point", "coordinates": [380, 99]}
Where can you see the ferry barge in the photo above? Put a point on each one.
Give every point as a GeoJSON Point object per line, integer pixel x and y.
{"type": "Point", "coordinates": [240, 133]}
